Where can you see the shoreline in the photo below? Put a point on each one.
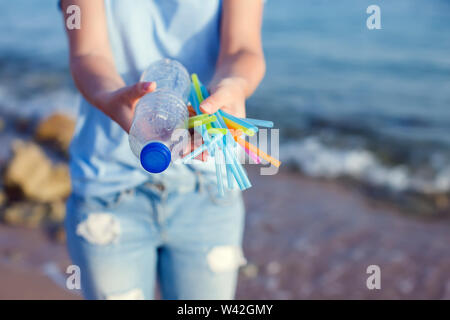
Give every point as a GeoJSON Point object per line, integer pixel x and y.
{"type": "Point", "coordinates": [16, 126]}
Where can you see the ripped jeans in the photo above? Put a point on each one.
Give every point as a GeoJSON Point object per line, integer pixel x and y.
{"type": "Point", "coordinates": [183, 235]}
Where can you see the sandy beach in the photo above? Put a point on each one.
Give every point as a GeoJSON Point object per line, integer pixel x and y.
{"type": "Point", "coordinates": [304, 239]}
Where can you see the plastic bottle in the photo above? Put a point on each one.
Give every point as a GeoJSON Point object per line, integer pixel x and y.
{"type": "Point", "coordinates": [154, 137]}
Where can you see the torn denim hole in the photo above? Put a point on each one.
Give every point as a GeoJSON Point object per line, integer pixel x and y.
{"type": "Point", "coordinates": [99, 228]}
{"type": "Point", "coordinates": [134, 294]}
{"type": "Point", "coordinates": [225, 258]}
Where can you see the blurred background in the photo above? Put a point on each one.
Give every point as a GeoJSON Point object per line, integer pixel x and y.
{"type": "Point", "coordinates": [364, 123]}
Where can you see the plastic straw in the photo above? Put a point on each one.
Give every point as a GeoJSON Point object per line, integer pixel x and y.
{"type": "Point", "coordinates": [194, 100]}
{"type": "Point", "coordinates": [259, 123]}
{"type": "Point", "coordinates": [253, 156]}
{"type": "Point", "coordinates": [200, 120]}
{"type": "Point", "coordinates": [255, 149]}
{"type": "Point", "coordinates": [234, 125]}
{"type": "Point", "coordinates": [219, 165]}
{"type": "Point", "coordinates": [230, 181]}
{"type": "Point", "coordinates": [239, 121]}
{"type": "Point", "coordinates": [196, 84]}
{"type": "Point", "coordinates": [204, 91]}
{"type": "Point", "coordinates": [218, 157]}
{"type": "Point", "coordinates": [199, 117]}
{"type": "Point", "coordinates": [217, 131]}
{"type": "Point", "coordinates": [234, 170]}
{"type": "Point", "coordinates": [243, 175]}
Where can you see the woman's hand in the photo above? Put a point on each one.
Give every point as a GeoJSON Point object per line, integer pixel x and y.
{"type": "Point", "coordinates": [228, 95]}
{"type": "Point", "coordinates": [119, 104]}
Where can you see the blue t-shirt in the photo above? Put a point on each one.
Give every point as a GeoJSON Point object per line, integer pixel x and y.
{"type": "Point", "coordinates": [141, 32]}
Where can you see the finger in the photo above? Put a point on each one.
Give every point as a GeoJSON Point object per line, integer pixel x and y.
{"type": "Point", "coordinates": [215, 101]}
{"type": "Point", "coordinates": [237, 110]}
{"type": "Point", "coordinates": [134, 92]}
{"type": "Point", "coordinates": [129, 96]}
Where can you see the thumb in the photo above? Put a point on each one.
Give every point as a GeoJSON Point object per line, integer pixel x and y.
{"type": "Point", "coordinates": [131, 94]}
{"type": "Point", "coordinates": [215, 101]}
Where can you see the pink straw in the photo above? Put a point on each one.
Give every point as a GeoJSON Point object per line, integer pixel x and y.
{"type": "Point", "coordinates": [253, 156]}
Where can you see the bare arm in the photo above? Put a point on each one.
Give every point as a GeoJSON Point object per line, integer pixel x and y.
{"type": "Point", "coordinates": [92, 65]}
{"type": "Point", "coordinates": [241, 65]}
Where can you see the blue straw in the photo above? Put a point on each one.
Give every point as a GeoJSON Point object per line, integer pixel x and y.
{"type": "Point", "coordinates": [204, 91]}
{"type": "Point", "coordinates": [230, 182]}
{"type": "Point", "coordinates": [194, 101]}
{"type": "Point", "coordinates": [245, 181]}
{"type": "Point", "coordinates": [234, 170]}
{"type": "Point", "coordinates": [220, 188]}
{"type": "Point", "coordinates": [195, 153]}
{"type": "Point", "coordinates": [259, 123]}
{"type": "Point", "coordinates": [238, 121]}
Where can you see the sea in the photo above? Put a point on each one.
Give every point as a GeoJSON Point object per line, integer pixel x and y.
{"type": "Point", "coordinates": [372, 105]}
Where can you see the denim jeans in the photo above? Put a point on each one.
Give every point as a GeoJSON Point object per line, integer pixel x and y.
{"type": "Point", "coordinates": [179, 233]}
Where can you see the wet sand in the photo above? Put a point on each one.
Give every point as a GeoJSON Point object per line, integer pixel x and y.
{"type": "Point", "coordinates": [315, 239]}
{"type": "Point", "coordinates": [304, 239]}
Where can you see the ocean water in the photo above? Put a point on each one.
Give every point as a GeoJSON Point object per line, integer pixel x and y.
{"type": "Point", "coordinates": [370, 104]}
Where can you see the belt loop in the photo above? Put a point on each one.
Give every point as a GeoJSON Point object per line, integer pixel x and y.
{"type": "Point", "coordinates": [199, 181]}
{"type": "Point", "coordinates": [198, 178]}
{"type": "Point", "coordinates": [162, 190]}
{"type": "Point", "coordinates": [158, 188]}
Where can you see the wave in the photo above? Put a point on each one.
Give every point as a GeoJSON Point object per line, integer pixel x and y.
{"type": "Point", "coordinates": [316, 159]}
{"type": "Point", "coordinates": [39, 105]}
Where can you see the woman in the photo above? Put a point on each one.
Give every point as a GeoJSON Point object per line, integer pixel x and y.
{"type": "Point", "coordinates": [124, 225]}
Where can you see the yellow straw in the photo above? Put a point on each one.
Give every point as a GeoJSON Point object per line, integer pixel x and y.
{"type": "Point", "coordinates": [217, 131]}
{"type": "Point", "coordinates": [196, 83]}
{"type": "Point", "coordinates": [200, 120]}
{"type": "Point", "coordinates": [233, 125]}
{"type": "Point", "coordinates": [256, 151]}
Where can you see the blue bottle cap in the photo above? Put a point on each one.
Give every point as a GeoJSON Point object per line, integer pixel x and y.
{"type": "Point", "coordinates": [155, 157]}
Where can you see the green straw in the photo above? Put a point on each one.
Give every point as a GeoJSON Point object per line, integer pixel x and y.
{"type": "Point", "coordinates": [217, 131]}
{"type": "Point", "coordinates": [202, 119]}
